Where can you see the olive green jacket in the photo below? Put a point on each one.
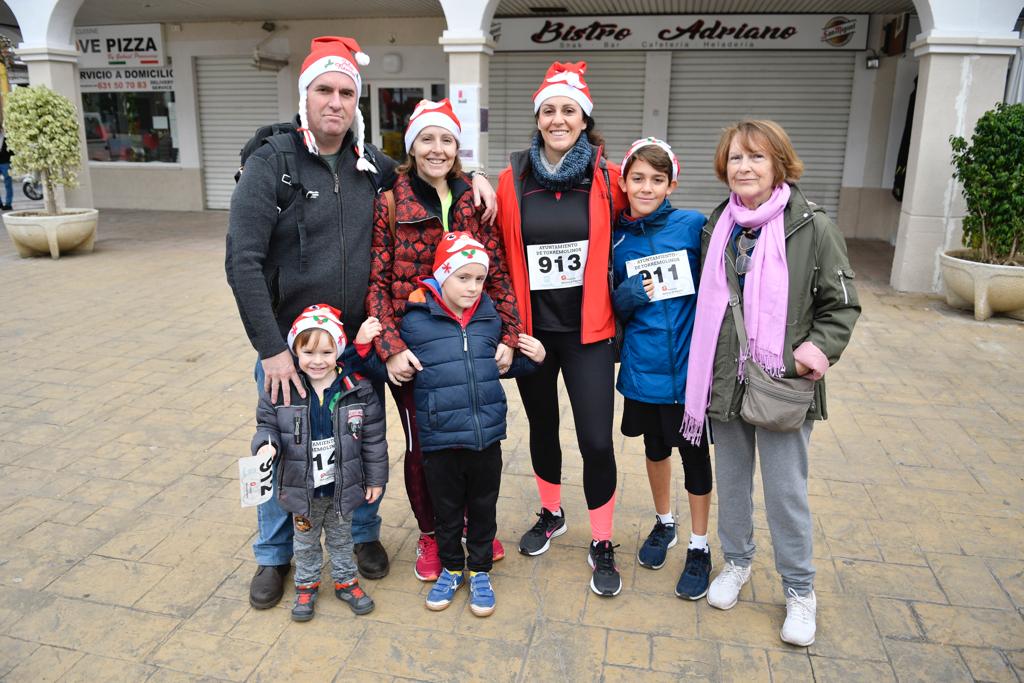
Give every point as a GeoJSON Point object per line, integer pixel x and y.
{"type": "Point", "coordinates": [823, 304]}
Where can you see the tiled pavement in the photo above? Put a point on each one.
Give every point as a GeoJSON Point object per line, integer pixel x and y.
{"type": "Point", "coordinates": [126, 397]}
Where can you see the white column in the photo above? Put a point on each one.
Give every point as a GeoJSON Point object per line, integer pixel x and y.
{"type": "Point", "coordinates": [657, 76]}
{"type": "Point", "coordinates": [467, 42]}
{"type": "Point", "coordinates": [964, 50]}
{"type": "Point", "coordinates": [48, 50]}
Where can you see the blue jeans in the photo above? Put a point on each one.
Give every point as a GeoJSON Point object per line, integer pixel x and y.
{"type": "Point", "coordinates": [5, 171]}
{"type": "Point", "coordinates": [273, 544]}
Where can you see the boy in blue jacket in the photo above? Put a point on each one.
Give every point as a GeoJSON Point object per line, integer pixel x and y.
{"type": "Point", "coordinates": [656, 270]}
{"type": "Point", "coordinates": [453, 328]}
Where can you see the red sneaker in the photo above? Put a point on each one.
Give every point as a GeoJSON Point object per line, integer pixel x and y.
{"type": "Point", "coordinates": [499, 550]}
{"type": "Point", "coordinates": [428, 564]}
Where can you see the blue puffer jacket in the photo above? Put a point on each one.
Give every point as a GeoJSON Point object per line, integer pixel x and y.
{"type": "Point", "coordinates": [657, 333]}
{"type": "Point", "coordinates": [459, 399]}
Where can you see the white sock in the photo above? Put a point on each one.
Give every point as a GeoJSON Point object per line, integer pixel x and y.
{"type": "Point", "coordinates": [698, 542]}
{"type": "Point", "coordinates": [666, 518]}
{"type": "Point", "coordinates": [556, 513]}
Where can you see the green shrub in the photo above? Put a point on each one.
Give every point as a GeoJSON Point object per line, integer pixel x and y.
{"type": "Point", "coordinates": [42, 134]}
{"type": "Point", "coordinates": [991, 170]}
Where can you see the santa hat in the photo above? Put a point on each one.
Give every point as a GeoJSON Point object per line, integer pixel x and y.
{"type": "Point", "coordinates": [331, 53]}
{"type": "Point", "coordinates": [644, 142]}
{"type": "Point", "coordinates": [429, 113]}
{"type": "Point", "coordinates": [327, 318]}
{"type": "Point", "coordinates": [457, 249]}
{"type": "Point", "coordinates": [565, 79]}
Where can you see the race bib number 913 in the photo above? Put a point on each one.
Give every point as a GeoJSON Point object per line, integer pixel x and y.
{"type": "Point", "coordinates": [557, 266]}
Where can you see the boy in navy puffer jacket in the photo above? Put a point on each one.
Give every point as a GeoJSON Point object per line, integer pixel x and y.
{"type": "Point", "coordinates": [656, 270]}
{"type": "Point", "coordinates": [454, 330]}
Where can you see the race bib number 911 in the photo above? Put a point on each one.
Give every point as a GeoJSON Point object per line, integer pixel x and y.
{"type": "Point", "coordinates": [669, 271]}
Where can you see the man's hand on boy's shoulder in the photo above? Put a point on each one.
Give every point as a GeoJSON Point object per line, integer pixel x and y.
{"type": "Point", "coordinates": [280, 375]}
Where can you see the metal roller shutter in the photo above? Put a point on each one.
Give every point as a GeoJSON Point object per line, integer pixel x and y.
{"type": "Point", "coordinates": [616, 81]}
{"type": "Point", "coordinates": [234, 100]}
{"type": "Point", "coordinates": [808, 93]}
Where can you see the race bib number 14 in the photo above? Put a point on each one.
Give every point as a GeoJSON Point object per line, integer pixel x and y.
{"type": "Point", "coordinates": [669, 271]}
{"type": "Point", "coordinates": [323, 461]}
{"type": "Point", "coordinates": [557, 266]}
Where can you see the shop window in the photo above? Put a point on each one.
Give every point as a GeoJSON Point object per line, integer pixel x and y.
{"type": "Point", "coordinates": [130, 126]}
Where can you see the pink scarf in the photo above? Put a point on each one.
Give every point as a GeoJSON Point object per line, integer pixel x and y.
{"type": "Point", "coordinates": [765, 301]}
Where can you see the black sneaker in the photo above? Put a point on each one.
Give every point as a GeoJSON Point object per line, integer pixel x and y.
{"type": "Point", "coordinates": [696, 577]}
{"type": "Point", "coordinates": [351, 594]}
{"type": "Point", "coordinates": [305, 599]}
{"type": "Point", "coordinates": [605, 580]}
{"type": "Point", "coordinates": [538, 539]}
{"type": "Point", "coordinates": [371, 559]}
{"type": "Point", "coordinates": [653, 552]}
{"type": "Point", "coordinates": [267, 585]}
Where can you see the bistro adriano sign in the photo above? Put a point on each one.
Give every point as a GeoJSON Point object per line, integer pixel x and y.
{"type": "Point", "coordinates": [684, 32]}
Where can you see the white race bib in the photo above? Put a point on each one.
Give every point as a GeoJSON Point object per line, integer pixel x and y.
{"type": "Point", "coordinates": [323, 461]}
{"type": "Point", "coordinates": [255, 475]}
{"type": "Point", "coordinates": [557, 266]}
{"type": "Point", "coordinates": [669, 271]}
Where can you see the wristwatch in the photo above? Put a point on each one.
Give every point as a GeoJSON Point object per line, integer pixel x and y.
{"type": "Point", "coordinates": [482, 172]}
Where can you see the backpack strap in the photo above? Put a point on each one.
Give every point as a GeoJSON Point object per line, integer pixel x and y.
{"type": "Point", "coordinates": [289, 185]}
{"type": "Point", "coordinates": [389, 199]}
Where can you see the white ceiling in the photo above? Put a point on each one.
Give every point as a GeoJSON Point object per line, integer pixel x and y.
{"type": "Point", "coordinates": [143, 11]}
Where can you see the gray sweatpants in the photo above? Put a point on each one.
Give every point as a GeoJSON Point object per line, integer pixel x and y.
{"type": "Point", "coordinates": [309, 556]}
{"type": "Point", "coordinates": [784, 476]}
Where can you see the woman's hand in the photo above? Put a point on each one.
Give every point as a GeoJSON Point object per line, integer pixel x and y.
{"type": "Point", "coordinates": [373, 493]}
{"type": "Point", "coordinates": [532, 348]}
{"type": "Point", "coordinates": [483, 192]}
{"type": "Point", "coordinates": [503, 357]}
{"type": "Point", "coordinates": [801, 369]}
{"type": "Point", "coordinates": [368, 331]}
{"type": "Point", "coordinates": [402, 366]}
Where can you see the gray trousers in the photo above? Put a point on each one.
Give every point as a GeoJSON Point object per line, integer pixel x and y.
{"type": "Point", "coordinates": [309, 556]}
{"type": "Point", "coordinates": [784, 476]}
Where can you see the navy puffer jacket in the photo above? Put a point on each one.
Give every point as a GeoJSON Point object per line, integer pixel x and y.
{"type": "Point", "coordinates": [656, 346]}
{"type": "Point", "coordinates": [459, 399]}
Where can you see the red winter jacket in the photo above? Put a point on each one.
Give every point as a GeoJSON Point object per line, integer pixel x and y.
{"type": "Point", "coordinates": [597, 318]}
{"type": "Point", "coordinates": [399, 259]}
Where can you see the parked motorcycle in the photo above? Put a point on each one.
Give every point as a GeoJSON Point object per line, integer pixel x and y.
{"type": "Point", "coordinates": [31, 186]}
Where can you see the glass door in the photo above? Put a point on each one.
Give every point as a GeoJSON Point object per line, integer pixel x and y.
{"type": "Point", "coordinates": [391, 105]}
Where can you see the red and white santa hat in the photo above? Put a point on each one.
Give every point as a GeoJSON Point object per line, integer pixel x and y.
{"type": "Point", "coordinates": [644, 142]}
{"type": "Point", "coordinates": [566, 79]}
{"type": "Point", "coordinates": [327, 318]}
{"type": "Point", "coordinates": [333, 53]}
{"type": "Point", "coordinates": [429, 113]}
{"type": "Point", "coordinates": [457, 249]}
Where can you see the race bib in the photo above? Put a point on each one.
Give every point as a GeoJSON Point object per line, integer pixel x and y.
{"type": "Point", "coordinates": [256, 477]}
{"type": "Point", "coordinates": [557, 266]}
{"type": "Point", "coordinates": [669, 271]}
{"type": "Point", "coordinates": [323, 461]}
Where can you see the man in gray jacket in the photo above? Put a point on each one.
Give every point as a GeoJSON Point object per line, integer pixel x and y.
{"type": "Point", "coordinates": [316, 248]}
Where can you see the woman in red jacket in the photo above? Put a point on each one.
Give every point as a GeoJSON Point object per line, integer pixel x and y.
{"type": "Point", "coordinates": [555, 209]}
{"type": "Point", "coordinates": [431, 197]}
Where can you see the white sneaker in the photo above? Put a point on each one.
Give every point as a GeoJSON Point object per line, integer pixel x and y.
{"type": "Point", "coordinates": [800, 610]}
{"type": "Point", "coordinates": [725, 589]}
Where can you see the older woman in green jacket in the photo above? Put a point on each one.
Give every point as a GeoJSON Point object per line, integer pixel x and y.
{"type": "Point", "coordinates": [787, 262]}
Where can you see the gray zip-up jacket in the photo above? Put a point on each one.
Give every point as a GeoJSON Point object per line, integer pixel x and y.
{"type": "Point", "coordinates": [270, 285]}
{"type": "Point", "coordinates": [361, 451]}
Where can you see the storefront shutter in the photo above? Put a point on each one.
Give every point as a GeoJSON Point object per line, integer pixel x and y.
{"type": "Point", "coordinates": [808, 93]}
{"type": "Point", "coordinates": [616, 81]}
{"type": "Point", "coordinates": [234, 100]}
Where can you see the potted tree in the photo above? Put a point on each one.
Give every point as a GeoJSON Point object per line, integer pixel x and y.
{"type": "Point", "coordinates": [42, 133]}
{"type": "Point", "coordinates": [989, 274]}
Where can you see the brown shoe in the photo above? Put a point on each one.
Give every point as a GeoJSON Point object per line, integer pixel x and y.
{"type": "Point", "coordinates": [372, 560]}
{"type": "Point", "coordinates": [267, 585]}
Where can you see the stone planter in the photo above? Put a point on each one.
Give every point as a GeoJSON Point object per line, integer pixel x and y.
{"type": "Point", "coordinates": [35, 234]}
{"type": "Point", "coordinates": [985, 288]}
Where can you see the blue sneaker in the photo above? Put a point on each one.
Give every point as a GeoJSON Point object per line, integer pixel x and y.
{"type": "Point", "coordinates": [655, 549]}
{"type": "Point", "coordinates": [696, 577]}
{"type": "Point", "coordinates": [443, 592]}
{"type": "Point", "coordinates": [481, 595]}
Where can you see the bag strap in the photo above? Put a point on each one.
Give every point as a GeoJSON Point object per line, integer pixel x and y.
{"type": "Point", "coordinates": [284, 148]}
{"type": "Point", "coordinates": [737, 315]}
{"type": "Point", "coordinates": [611, 223]}
{"type": "Point", "coordinates": [389, 200]}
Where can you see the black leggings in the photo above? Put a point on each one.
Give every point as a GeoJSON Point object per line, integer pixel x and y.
{"type": "Point", "coordinates": [589, 374]}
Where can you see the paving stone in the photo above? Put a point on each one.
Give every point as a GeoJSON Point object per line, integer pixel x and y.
{"type": "Point", "coordinates": [743, 664]}
{"type": "Point", "coordinates": [102, 579]}
{"type": "Point", "coordinates": [895, 619]}
{"type": "Point", "coordinates": [204, 654]}
{"type": "Point", "coordinates": [789, 666]}
{"type": "Point", "coordinates": [559, 651]}
{"type": "Point", "coordinates": [969, 626]}
{"type": "Point", "coordinates": [13, 651]}
{"type": "Point", "coordinates": [926, 662]}
{"type": "Point", "coordinates": [844, 629]}
{"type": "Point", "coordinates": [967, 581]}
{"type": "Point", "coordinates": [629, 649]}
{"type": "Point", "coordinates": [987, 665]}
{"type": "Point", "coordinates": [187, 586]}
{"type": "Point", "coordinates": [828, 670]}
{"type": "Point", "coordinates": [45, 664]}
{"type": "Point", "coordinates": [217, 616]}
{"type": "Point", "coordinates": [896, 581]}
{"type": "Point", "coordinates": [91, 668]}
{"type": "Point", "coordinates": [632, 611]}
